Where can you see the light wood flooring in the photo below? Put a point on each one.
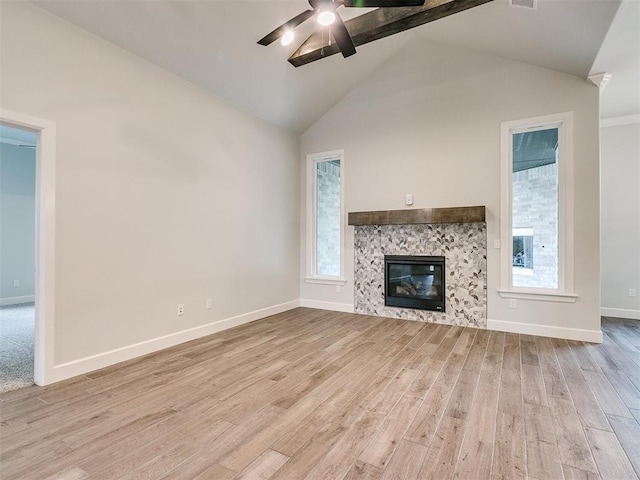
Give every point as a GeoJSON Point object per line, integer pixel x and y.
{"type": "Point", "coordinates": [310, 394]}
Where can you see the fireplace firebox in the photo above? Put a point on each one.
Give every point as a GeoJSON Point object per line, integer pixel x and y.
{"type": "Point", "coordinates": [414, 282]}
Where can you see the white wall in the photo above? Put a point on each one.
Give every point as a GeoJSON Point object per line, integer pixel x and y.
{"type": "Point", "coordinates": [620, 232]}
{"type": "Point", "coordinates": [428, 123]}
{"type": "Point", "coordinates": [17, 223]}
{"type": "Point", "coordinates": [165, 194]}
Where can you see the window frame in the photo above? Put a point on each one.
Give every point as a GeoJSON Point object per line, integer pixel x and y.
{"type": "Point", "coordinates": [311, 218]}
{"type": "Point", "coordinates": [565, 291]}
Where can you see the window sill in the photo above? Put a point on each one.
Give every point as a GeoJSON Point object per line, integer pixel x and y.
{"type": "Point", "coordinates": [539, 296]}
{"type": "Point", "coordinates": [325, 280]}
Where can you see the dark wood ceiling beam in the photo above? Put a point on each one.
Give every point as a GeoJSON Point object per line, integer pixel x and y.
{"type": "Point", "coordinates": [381, 23]}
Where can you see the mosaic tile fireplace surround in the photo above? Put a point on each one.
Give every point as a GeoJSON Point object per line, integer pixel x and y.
{"type": "Point", "coordinates": [464, 246]}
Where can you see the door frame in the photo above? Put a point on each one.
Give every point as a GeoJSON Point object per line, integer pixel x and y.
{"type": "Point", "coordinates": [45, 199]}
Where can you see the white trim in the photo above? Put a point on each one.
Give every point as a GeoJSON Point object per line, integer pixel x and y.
{"type": "Point", "coordinates": [101, 360]}
{"type": "Point", "coordinates": [615, 121]}
{"type": "Point", "coordinates": [17, 300]}
{"type": "Point", "coordinates": [312, 160]}
{"type": "Point", "coordinates": [564, 123]}
{"type": "Point", "coordinates": [336, 307]}
{"type": "Point", "coordinates": [600, 80]}
{"type": "Point", "coordinates": [593, 336]}
{"type": "Point", "coordinates": [620, 313]}
{"type": "Point", "coordinates": [542, 295]}
{"type": "Point", "coordinates": [45, 239]}
{"type": "Point", "coordinates": [325, 280]}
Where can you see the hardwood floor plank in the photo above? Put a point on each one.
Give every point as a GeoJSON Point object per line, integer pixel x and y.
{"type": "Point", "coordinates": [628, 433]}
{"type": "Point", "coordinates": [293, 439]}
{"type": "Point", "coordinates": [425, 423]}
{"type": "Point", "coordinates": [238, 458]}
{"type": "Point", "coordinates": [509, 448]}
{"type": "Point", "coordinates": [387, 437]}
{"type": "Point", "coordinates": [364, 471]}
{"type": "Point", "coordinates": [476, 453]}
{"type": "Point", "coordinates": [572, 473]}
{"type": "Point", "coordinates": [444, 449]}
{"type": "Point", "coordinates": [610, 457]}
{"type": "Point", "coordinates": [425, 379]}
{"type": "Point", "coordinates": [406, 462]}
{"type": "Point", "coordinates": [583, 357]}
{"type": "Point", "coordinates": [625, 389]}
{"type": "Point", "coordinates": [263, 467]}
{"type": "Point", "coordinates": [607, 397]}
{"type": "Point", "coordinates": [533, 385]}
{"type": "Point", "coordinates": [538, 423]}
{"type": "Point", "coordinates": [214, 472]}
{"type": "Point", "coordinates": [543, 461]}
{"type": "Point", "coordinates": [572, 443]}
{"type": "Point", "coordinates": [343, 455]}
{"type": "Point", "coordinates": [73, 473]}
{"type": "Point", "coordinates": [529, 351]}
{"type": "Point", "coordinates": [554, 382]}
{"type": "Point", "coordinates": [511, 392]}
{"type": "Point", "coordinates": [394, 390]}
{"type": "Point", "coordinates": [462, 395]}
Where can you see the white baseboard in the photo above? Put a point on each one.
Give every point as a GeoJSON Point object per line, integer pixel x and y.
{"type": "Point", "coordinates": [593, 336]}
{"type": "Point", "coordinates": [620, 313]}
{"type": "Point", "coordinates": [95, 362]}
{"type": "Point", "coordinates": [17, 300]}
{"type": "Point", "coordinates": [337, 307]}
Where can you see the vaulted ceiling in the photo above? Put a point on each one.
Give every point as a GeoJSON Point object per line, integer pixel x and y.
{"type": "Point", "coordinates": [213, 45]}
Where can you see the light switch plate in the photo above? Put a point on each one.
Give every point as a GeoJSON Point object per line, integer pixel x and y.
{"type": "Point", "coordinates": [408, 199]}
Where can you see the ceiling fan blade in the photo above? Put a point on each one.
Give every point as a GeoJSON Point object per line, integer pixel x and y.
{"type": "Point", "coordinates": [383, 3]}
{"type": "Point", "coordinates": [285, 27]}
{"type": "Point", "coordinates": [343, 39]}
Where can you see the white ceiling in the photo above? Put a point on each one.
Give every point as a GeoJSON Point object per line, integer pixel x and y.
{"type": "Point", "coordinates": [212, 43]}
{"type": "Point", "coordinates": [620, 56]}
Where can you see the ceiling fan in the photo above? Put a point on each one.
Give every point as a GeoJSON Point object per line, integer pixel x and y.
{"type": "Point", "coordinates": [326, 15]}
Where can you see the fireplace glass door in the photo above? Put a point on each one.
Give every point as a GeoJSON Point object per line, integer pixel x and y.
{"type": "Point", "coordinates": [415, 282]}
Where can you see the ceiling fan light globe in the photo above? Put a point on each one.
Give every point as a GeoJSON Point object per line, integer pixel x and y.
{"type": "Point", "coordinates": [287, 38]}
{"type": "Point", "coordinates": [326, 17]}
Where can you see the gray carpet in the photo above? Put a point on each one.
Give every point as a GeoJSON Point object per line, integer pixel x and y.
{"type": "Point", "coordinates": [16, 346]}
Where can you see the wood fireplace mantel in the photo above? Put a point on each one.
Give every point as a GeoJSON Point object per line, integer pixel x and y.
{"type": "Point", "coordinates": [422, 215]}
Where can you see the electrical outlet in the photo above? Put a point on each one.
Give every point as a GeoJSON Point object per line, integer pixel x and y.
{"type": "Point", "coordinates": [632, 292]}
{"type": "Point", "coordinates": [513, 303]}
{"type": "Point", "coordinates": [181, 309]}
{"type": "Point", "coordinates": [16, 283]}
{"type": "Point", "coordinates": [338, 289]}
{"type": "Point", "coordinates": [496, 243]}
{"type": "Point", "coordinates": [209, 303]}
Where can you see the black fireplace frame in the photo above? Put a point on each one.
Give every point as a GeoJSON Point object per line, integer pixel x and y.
{"type": "Point", "coordinates": [412, 302]}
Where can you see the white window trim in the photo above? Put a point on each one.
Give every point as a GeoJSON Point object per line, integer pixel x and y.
{"type": "Point", "coordinates": [311, 275]}
{"type": "Point", "coordinates": [565, 291]}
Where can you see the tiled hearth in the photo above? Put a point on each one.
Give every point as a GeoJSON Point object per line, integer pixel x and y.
{"type": "Point", "coordinates": [464, 246]}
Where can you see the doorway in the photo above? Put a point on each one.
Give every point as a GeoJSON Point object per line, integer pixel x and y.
{"type": "Point", "coordinates": [30, 304]}
{"type": "Point", "coordinates": [17, 257]}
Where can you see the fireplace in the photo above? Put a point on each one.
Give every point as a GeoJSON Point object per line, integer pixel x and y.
{"type": "Point", "coordinates": [414, 282]}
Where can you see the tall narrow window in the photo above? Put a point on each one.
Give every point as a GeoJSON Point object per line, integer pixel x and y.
{"type": "Point", "coordinates": [536, 210]}
{"type": "Point", "coordinates": [325, 229]}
